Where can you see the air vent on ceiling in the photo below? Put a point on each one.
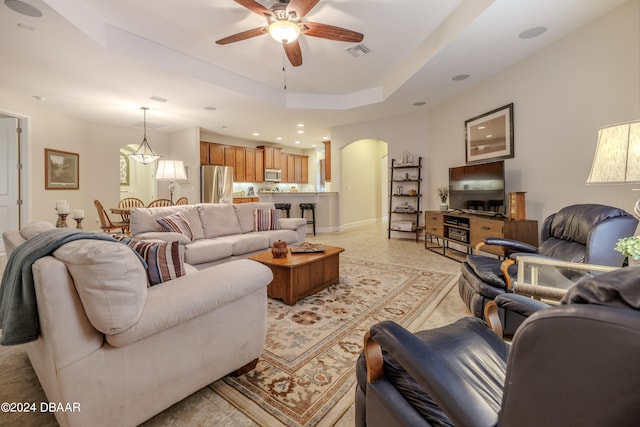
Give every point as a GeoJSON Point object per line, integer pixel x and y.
{"type": "Point", "coordinates": [159, 99]}
{"type": "Point", "coordinates": [358, 50]}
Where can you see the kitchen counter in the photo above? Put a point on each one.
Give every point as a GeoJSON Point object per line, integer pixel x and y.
{"type": "Point", "coordinates": [326, 206]}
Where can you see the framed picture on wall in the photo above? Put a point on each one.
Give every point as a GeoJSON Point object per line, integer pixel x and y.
{"type": "Point", "coordinates": [489, 136]}
{"type": "Point", "coordinates": [61, 170]}
{"type": "Point", "coordinates": [124, 169]}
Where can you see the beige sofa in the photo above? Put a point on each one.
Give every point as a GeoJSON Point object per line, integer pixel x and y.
{"type": "Point", "coordinates": [221, 232]}
{"type": "Point", "coordinates": [121, 352]}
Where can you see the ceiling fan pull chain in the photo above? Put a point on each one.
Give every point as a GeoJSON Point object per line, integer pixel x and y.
{"type": "Point", "coordinates": [284, 73]}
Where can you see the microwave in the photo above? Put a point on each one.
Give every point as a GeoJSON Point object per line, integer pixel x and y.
{"type": "Point", "coordinates": [273, 175]}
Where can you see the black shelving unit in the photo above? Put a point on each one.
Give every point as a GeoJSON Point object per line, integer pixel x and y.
{"type": "Point", "coordinates": [404, 179]}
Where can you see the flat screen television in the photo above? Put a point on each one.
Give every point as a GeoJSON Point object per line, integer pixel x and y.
{"type": "Point", "coordinates": [478, 188]}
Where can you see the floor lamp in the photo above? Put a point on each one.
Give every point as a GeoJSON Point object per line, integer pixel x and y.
{"type": "Point", "coordinates": [170, 170]}
{"type": "Point", "coordinates": [617, 156]}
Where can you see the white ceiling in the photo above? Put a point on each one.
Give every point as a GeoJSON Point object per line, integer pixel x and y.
{"type": "Point", "coordinates": [101, 60]}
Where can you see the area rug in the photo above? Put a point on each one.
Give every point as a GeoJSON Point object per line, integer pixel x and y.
{"type": "Point", "coordinates": [306, 374]}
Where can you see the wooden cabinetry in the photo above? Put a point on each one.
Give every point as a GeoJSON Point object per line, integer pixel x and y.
{"type": "Point", "coordinates": [249, 163]}
{"type": "Point", "coordinates": [404, 197]}
{"type": "Point", "coordinates": [327, 161]}
{"type": "Point", "coordinates": [245, 199]}
{"type": "Point", "coordinates": [468, 230]}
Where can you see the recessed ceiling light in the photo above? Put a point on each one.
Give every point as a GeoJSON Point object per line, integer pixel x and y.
{"type": "Point", "coordinates": [23, 8]}
{"type": "Point", "coordinates": [419, 104]}
{"type": "Point", "coordinates": [489, 136]}
{"type": "Point", "coordinates": [460, 77]}
{"type": "Point", "coordinates": [532, 32]}
{"type": "Point", "coordinates": [297, 142]}
{"type": "Point", "coordinates": [159, 99]}
{"type": "Point", "coordinates": [278, 138]}
{"type": "Point", "coordinates": [324, 138]}
{"type": "Point", "coordinates": [210, 108]}
{"type": "Point", "coordinates": [313, 145]}
{"type": "Point", "coordinates": [300, 131]}
{"type": "Point", "coordinates": [256, 134]}
{"type": "Point", "coordinates": [300, 125]}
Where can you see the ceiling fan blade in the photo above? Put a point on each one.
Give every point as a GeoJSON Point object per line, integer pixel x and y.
{"type": "Point", "coordinates": [301, 7]}
{"type": "Point", "coordinates": [255, 7]}
{"type": "Point", "coordinates": [254, 32]}
{"type": "Point", "coordinates": [293, 53]}
{"type": "Point", "coordinates": [330, 32]}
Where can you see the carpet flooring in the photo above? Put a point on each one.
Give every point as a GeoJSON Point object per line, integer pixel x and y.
{"type": "Point", "coordinates": [368, 256]}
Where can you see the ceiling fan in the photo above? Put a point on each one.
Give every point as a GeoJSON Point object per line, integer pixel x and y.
{"type": "Point", "coordinates": [284, 24]}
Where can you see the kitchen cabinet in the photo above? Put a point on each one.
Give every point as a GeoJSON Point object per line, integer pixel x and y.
{"type": "Point", "coordinates": [239, 164]}
{"type": "Point", "coordinates": [230, 156]}
{"type": "Point", "coordinates": [245, 199]}
{"type": "Point", "coordinates": [250, 164]}
{"type": "Point", "coordinates": [259, 165]}
{"type": "Point", "coordinates": [291, 168]}
{"type": "Point", "coordinates": [271, 157]}
{"type": "Point", "coordinates": [327, 161]}
{"type": "Point", "coordinates": [305, 169]}
{"type": "Point", "coordinates": [283, 161]}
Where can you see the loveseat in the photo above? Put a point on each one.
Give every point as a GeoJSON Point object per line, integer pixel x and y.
{"type": "Point", "coordinates": [219, 232]}
{"type": "Point", "coordinates": [119, 351]}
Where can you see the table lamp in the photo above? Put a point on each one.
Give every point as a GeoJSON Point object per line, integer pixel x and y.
{"type": "Point", "coordinates": [617, 156]}
{"type": "Point", "coordinates": [170, 170]}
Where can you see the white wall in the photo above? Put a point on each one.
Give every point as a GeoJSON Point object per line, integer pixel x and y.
{"type": "Point", "coordinates": [562, 95]}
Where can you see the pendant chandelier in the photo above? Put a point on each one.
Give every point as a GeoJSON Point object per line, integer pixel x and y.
{"type": "Point", "coordinates": [144, 154]}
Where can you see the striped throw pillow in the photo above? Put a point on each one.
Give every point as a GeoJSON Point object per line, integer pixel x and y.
{"type": "Point", "coordinates": [177, 223]}
{"type": "Point", "coordinates": [165, 261]}
{"type": "Point", "coordinates": [266, 219]}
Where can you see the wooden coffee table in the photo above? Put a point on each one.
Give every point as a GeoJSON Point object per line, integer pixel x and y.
{"type": "Point", "coordinates": [302, 274]}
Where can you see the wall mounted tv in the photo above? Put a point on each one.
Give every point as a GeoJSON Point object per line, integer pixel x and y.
{"type": "Point", "coordinates": [478, 188]}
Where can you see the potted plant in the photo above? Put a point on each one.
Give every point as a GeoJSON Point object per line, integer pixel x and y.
{"type": "Point", "coordinates": [629, 247]}
{"type": "Point", "coordinates": [443, 194]}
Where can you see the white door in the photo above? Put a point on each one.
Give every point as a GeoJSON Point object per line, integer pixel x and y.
{"type": "Point", "coordinates": [8, 175]}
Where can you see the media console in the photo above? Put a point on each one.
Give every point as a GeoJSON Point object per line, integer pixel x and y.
{"type": "Point", "coordinates": [468, 230]}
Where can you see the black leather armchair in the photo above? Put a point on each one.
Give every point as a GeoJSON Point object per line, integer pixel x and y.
{"type": "Point", "coordinates": [577, 233]}
{"type": "Point", "coordinates": [572, 364]}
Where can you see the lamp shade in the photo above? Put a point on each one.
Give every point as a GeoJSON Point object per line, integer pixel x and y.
{"type": "Point", "coordinates": [617, 156]}
{"type": "Point", "coordinates": [284, 31]}
{"type": "Point", "coordinates": [170, 170]}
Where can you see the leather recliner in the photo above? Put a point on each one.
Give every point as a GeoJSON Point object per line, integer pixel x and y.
{"type": "Point", "coordinates": [585, 233]}
{"type": "Point", "coordinates": [572, 364]}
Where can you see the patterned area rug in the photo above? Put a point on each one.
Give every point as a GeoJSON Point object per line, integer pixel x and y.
{"type": "Point", "coordinates": [306, 374]}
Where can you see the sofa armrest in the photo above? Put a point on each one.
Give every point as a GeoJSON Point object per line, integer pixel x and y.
{"type": "Point", "coordinates": [292, 223]}
{"type": "Point", "coordinates": [187, 297]}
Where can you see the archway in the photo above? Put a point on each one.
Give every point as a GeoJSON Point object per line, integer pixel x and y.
{"type": "Point", "coordinates": [136, 180]}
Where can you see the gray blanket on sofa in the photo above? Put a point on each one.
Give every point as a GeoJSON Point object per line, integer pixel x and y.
{"type": "Point", "coordinates": [18, 309]}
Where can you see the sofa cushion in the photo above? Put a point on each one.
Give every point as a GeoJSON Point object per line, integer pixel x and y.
{"type": "Point", "coordinates": [177, 223]}
{"type": "Point", "coordinates": [165, 261]}
{"type": "Point", "coordinates": [266, 219]}
{"type": "Point", "coordinates": [244, 212]}
{"type": "Point", "coordinates": [164, 236]}
{"type": "Point", "coordinates": [243, 244]}
{"type": "Point", "coordinates": [218, 219]}
{"type": "Point", "coordinates": [289, 236]}
{"type": "Point", "coordinates": [33, 229]}
{"type": "Point", "coordinates": [144, 220]}
{"type": "Point", "coordinates": [207, 250]}
{"type": "Point", "coordinates": [110, 280]}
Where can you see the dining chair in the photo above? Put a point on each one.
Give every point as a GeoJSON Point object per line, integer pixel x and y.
{"type": "Point", "coordinates": [106, 224]}
{"type": "Point", "coordinates": [182, 201]}
{"type": "Point", "coordinates": [160, 202]}
{"type": "Point", "coordinates": [129, 202]}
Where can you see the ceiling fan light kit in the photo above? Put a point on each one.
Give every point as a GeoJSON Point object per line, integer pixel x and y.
{"type": "Point", "coordinates": [284, 31]}
{"type": "Point", "coordinates": [284, 24]}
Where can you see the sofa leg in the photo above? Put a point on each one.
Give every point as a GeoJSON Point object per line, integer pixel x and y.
{"type": "Point", "coordinates": [244, 369]}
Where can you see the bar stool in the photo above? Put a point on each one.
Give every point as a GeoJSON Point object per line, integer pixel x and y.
{"type": "Point", "coordinates": [309, 207]}
{"type": "Point", "coordinates": [284, 207]}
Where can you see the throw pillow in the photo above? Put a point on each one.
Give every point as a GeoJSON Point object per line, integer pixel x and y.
{"type": "Point", "coordinates": [177, 223]}
{"type": "Point", "coordinates": [266, 219]}
{"type": "Point", "coordinates": [165, 261]}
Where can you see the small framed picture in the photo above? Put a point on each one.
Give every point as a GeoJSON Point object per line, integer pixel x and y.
{"type": "Point", "coordinates": [124, 169]}
{"type": "Point", "coordinates": [61, 170]}
{"type": "Point", "coordinates": [489, 136]}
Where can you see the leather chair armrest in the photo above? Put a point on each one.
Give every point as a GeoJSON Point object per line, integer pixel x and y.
{"type": "Point", "coordinates": [520, 304]}
{"type": "Point", "coordinates": [443, 363]}
{"type": "Point", "coordinates": [512, 244]}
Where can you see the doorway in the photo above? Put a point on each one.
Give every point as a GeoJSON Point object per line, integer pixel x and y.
{"type": "Point", "coordinates": [11, 198]}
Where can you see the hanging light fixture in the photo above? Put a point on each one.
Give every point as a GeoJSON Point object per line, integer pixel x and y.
{"type": "Point", "coordinates": [144, 154]}
{"type": "Point", "coordinates": [284, 31]}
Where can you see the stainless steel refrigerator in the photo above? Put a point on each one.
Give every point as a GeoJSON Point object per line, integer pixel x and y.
{"type": "Point", "coordinates": [216, 184]}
